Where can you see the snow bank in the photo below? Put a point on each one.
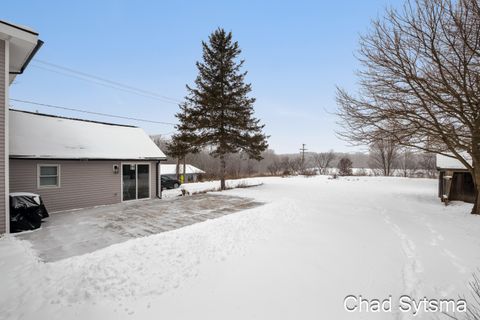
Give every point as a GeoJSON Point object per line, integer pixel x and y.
{"type": "Point", "coordinates": [210, 186]}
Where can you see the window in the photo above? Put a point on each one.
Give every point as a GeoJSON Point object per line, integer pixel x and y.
{"type": "Point", "coordinates": [48, 176]}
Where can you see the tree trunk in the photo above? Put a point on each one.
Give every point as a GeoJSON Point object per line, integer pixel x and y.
{"type": "Point", "coordinates": [476, 181]}
{"type": "Point", "coordinates": [184, 170]}
{"type": "Point", "coordinates": [177, 168]}
{"type": "Point", "coordinates": [222, 172]}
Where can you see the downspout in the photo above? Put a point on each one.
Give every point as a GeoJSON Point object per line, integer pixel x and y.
{"type": "Point", "coordinates": [159, 195]}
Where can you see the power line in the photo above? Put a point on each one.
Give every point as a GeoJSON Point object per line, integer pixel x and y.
{"type": "Point", "coordinates": [91, 112]}
{"type": "Point", "coordinates": [113, 84]}
{"type": "Point", "coordinates": [116, 83]}
{"type": "Point", "coordinates": [102, 84]}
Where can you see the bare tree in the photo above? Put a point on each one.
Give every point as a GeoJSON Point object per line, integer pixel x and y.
{"type": "Point", "coordinates": [345, 167]}
{"type": "Point", "coordinates": [420, 82]}
{"type": "Point", "coordinates": [160, 141]}
{"type": "Point", "coordinates": [406, 162]}
{"type": "Point", "coordinates": [296, 165]}
{"type": "Point", "coordinates": [275, 168]}
{"type": "Point", "coordinates": [472, 305]}
{"type": "Point", "coordinates": [323, 160]}
{"type": "Point", "coordinates": [383, 154]}
{"type": "Point", "coordinates": [285, 164]}
{"type": "Point", "coordinates": [427, 163]}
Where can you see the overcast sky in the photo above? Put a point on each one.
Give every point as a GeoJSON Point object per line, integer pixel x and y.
{"type": "Point", "coordinates": [296, 52]}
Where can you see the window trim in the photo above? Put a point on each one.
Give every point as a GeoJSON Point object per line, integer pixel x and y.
{"type": "Point", "coordinates": [39, 165]}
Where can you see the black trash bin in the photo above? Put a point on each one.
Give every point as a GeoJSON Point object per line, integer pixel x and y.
{"type": "Point", "coordinates": [26, 211]}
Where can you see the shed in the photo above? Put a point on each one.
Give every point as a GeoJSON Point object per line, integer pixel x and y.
{"type": "Point", "coordinates": [455, 182]}
{"type": "Point", "coordinates": [191, 172]}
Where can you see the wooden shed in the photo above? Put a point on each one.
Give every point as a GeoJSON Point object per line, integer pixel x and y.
{"type": "Point", "coordinates": [455, 182]}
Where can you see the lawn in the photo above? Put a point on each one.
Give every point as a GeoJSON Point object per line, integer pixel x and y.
{"type": "Point", "coordinates": [313, 242]}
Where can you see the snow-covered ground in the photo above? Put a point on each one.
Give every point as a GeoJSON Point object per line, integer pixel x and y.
{"type": "Point", "coordinates": [313, 243]}
{"type": "Point", "coordinates": [209, 186]}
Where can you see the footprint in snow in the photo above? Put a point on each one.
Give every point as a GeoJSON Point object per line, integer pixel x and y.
{"type": "Point", "coordinates": [455, 261]}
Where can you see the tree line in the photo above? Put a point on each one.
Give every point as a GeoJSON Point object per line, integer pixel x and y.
{"type": "Point", "coordinates": [404, 163]}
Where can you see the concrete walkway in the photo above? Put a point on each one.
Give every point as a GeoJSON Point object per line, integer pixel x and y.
{"type": "Point", "coordinates": [70, 233]}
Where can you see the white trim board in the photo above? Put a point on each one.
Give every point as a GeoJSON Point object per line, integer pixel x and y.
{"type": "Point", "coordinates": [7, 137]}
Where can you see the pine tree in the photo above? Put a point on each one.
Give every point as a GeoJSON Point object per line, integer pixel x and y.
{"type": "Point", "coordinates": [345, 167]}
{"type": "Point", "coordinates": [217, 111]}
{"type": "Point", "coordinates": [178, 149]}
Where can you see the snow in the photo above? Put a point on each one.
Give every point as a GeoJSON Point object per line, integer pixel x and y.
{"type": "Point", "coordinates": [171, 169]}
{"type": "Point", "coordinates": [101, 226]}
{"type": "Point", "coordinates": [444, 162]}
{"type": "Point", "coordinates": [20, 194]}
{"type": "Point", "coordinates": [314, 241]}
{"type": "Point", "coordinates": [199, 187]}
{"type": "Point", "coordinates": [42, 136]}
{"type": "Point", "coordinates": [35, 196]}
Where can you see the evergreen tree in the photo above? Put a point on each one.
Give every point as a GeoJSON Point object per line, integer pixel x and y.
{"type": "Point", "coordinates": [178, 148]}
{"type": "Point", "coordinates": [217, 111]}
{"type": "Point", "coordinates": [345, 167]}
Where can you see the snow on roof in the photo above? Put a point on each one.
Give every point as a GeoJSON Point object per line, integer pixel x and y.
{"type": "Point", "coordinates": [171, 169]}
{"type": "Point", "coordinates": [34, 135]}
{"type": "Point", "coordinates": [444, 162]}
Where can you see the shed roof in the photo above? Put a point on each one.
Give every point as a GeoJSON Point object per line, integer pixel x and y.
{"type": "Point", "coordinates": [171, 169]}
{"type": "Point", "coordinates": [34, 135]}
{"type": "Point", "coordinates": [444, 162]}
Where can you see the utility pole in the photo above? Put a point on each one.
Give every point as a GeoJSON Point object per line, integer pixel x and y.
{"type": "Point", "coordinates": [302, 150]}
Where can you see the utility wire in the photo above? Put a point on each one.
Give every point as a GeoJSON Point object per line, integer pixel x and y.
{"type": "Point", "coordinates": [101, 84]}
{"type": "Point", "coordinates": [116, 84]}
{"type": "Point", "coordinates": [91, 112]}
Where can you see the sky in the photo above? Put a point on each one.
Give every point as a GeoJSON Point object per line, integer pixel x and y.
{"type": "Point", "coordinates": [296, 53]}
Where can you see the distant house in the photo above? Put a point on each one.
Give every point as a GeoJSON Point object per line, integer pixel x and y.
{"type": "Point", "coordinates": [18, 45]}
{"type": "Point", "coordinates": [454, 180]}
{"type": "Point", "coordinates": [74, 163]}
{"type": "Point", "coordinates": [191, 172]}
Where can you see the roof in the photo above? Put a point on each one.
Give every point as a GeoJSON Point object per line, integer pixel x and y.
{"type": "Point", "coordinates": [35, 135]}
{"type": "Point", "coordinates": [172, 169]}
{"type": "Point", "coordinates": [444, 162]}
{"type": "Point", "coordinates": [23, 45]}
{"type": "Point", "coordinates": [19, 27]}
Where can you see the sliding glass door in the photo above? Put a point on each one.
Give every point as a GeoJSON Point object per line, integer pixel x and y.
{"type": "Point", "coordinates": [135, 181]}
{"type": "Point", "coordinates": [129, 176]}
{"type": "Point", "coordinates": [143, 181]}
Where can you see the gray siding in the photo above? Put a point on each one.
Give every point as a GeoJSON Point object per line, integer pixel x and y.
{"type": "Point", "coordinates": [82, 183]}
{"type": "Point", "coordinates": [3, 107]}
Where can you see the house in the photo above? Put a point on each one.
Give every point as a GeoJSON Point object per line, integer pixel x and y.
{"type": "Point", "coordinates": [18, 45]}
{"type": "Point", "coordinates": [75, 163]}
{"type": "Point", "coordinates": [191, 172]}
{"type": "Point", "coordinates": [454, 180]}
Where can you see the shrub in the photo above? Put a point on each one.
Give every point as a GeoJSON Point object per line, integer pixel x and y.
{"type": "Point", "coordinates": [345, 167]}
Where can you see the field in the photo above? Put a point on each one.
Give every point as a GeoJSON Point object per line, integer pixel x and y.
{"type": "Point", "coordinates": [311, 243]}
